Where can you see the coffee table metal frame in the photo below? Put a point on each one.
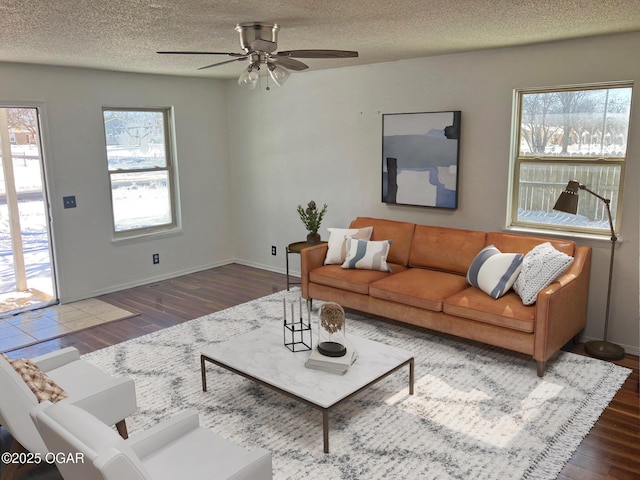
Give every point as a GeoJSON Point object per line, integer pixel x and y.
{"type": "Point", "coordinates": [325, 410]}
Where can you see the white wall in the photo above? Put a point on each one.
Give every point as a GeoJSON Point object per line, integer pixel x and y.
{"type": "Point", "coordinates": [88, 262]}
{"type": "Point", "coordinates": [246, 159]}
{"type": "Point", "coordinates": [319, 137]}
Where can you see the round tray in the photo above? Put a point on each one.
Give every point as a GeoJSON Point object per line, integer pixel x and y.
{"type": "Point", "coordinates": [332, 349]}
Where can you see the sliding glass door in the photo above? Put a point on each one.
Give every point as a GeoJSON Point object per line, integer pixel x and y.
{"type": "Point", "coordinates": [26, 261]}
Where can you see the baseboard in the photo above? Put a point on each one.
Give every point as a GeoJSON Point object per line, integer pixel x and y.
{"type": "Point", "coordinates": [269, 268]}
{"type": "Point", "coordinates": [145, 281]}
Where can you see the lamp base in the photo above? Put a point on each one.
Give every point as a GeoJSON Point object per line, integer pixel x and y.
{"type": "Point", "coordinates": [604, 350]}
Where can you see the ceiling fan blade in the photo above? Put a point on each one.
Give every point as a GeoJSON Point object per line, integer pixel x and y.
{"type": "Point", "coordinates": [202, 53]}
{"type": "Point", "coordinates": [289, 63]}
{"type": "Point", "coordinates": [318, 53]}
{"type": "Point", "coordinates": [262, 45]}
{"type": "Point", "coordinates": [224, 63]}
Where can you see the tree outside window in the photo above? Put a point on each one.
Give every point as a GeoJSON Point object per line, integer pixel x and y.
{"type": "Point", "coordinates": [577, 133]}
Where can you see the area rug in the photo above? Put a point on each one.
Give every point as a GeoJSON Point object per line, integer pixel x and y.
{"type": "Point", "coordinates": [477, 413]}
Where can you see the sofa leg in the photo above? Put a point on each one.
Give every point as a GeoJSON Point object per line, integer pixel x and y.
{"type": "Point", "coordinates": [121, 426]}
{"type": "Point", "coordinates": [541, 367]}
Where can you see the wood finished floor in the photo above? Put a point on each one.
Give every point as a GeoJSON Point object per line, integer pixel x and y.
{"type": "Point", "coordinates": [610, 451]}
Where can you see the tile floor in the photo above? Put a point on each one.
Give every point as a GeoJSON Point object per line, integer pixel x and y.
{"type": "Point", "coordinates": [46, 323]}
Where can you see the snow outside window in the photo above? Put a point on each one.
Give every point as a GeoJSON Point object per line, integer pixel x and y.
{"type": "Point", "coordinates": [141, 170]}
{"type": "Point", "coordinates": [562, 134]}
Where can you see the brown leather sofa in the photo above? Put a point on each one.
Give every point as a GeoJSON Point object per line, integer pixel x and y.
{"type": "Point", "coordinates": [427, 287]}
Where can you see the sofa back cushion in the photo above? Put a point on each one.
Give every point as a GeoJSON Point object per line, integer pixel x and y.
{"type": "Point", "coordinates": [400, 234]}
{"type": "Point", "coordinates": [510, 243]}
{"type": "Point", "coordinates": [446, 249]}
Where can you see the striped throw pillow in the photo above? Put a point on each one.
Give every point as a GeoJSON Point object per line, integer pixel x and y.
{"type": "Point", "coordinates": [337, 248]}
{"type": "Point", "coordinates": [494, 272]}
{"type": "Point", "coordinates": [367, 255]}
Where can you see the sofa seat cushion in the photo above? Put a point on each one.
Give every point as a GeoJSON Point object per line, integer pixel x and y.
{"type": "Point", "coordinates": [506, 311]}
{"type": "Point", "coordinates": [352, 280]}
{"type": "Point", "coordinates": [419, 287]}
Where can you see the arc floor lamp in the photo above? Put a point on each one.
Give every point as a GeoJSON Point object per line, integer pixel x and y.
{"type": "Point", "coordinates": [568, 202]}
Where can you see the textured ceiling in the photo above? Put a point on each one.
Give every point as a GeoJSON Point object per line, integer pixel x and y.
{"type": "Point", "coordinates": [124, 35]}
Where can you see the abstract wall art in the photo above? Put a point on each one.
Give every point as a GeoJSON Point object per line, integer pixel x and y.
{"type": "Point", "coordinates": [420, 157]}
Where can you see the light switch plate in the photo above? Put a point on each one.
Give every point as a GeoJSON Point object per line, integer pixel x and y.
{"type": "Point", "coordinates": [69, 202]}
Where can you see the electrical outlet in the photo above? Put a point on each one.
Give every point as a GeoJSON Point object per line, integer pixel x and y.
{"type": "Point", "coordinates": [273, 249]}
{"type": "Point", "coordinates": [156, 258]}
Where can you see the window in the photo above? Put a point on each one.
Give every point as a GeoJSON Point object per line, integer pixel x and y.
{"type": "Point", "coordinates": [141, 170]}
{"type": "Point", "coordinates": [573, 133]}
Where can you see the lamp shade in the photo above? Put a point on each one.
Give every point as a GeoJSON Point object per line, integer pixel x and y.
{"type": "Point", "coordinates": [278, 74]}
{"type": "Point", "coordinates": [249, 78]}
{"type": "Point", "coordinates": [568, 199]}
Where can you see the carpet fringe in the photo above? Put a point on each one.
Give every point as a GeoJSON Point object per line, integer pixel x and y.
{"type": "Point", "coordinates": [564, 444]}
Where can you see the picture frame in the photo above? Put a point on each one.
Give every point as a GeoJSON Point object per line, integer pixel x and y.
{"type": "Point", "coordinates": [420, 158]}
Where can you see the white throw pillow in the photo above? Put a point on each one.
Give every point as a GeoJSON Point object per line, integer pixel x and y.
{"type": "Point", "coordinates": [337, 250]}
{"type": "Point", "coordinates": [365, 255]}
{"type": "Point", "coordinates": [542, 266]}
{"type": "Point", "coordinates": [494, 272]}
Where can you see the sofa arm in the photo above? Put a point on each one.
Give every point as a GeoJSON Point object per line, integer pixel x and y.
{"type": "Point", "coordinates": [163, 433]}
{"type": "Point", "coordinates": [51, 361]}
{"type": "Point", "coordinates": [561, 308]}
{"type": "Point", "coordinates": [111, 401]}
{"type": "Point", "coordinates": [310, 259]}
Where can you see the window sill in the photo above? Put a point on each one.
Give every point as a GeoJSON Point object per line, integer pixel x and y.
{"type": "Point", "coordinates": [591, 237]}
{"type": "Point", "coordinates": [146, 236]}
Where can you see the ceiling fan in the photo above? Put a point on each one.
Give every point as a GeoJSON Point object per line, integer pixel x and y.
{"type": "Point", "coordinates": [260, 42]}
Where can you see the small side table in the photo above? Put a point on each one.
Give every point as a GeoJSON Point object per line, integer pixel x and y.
{"type": "Point", "coordinates": [295, 247]}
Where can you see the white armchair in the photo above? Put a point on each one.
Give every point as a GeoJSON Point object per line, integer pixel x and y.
{"type": "Point", "coordinates": [109, 398]}
{"type": "Point", "coordinates": [175, 448]}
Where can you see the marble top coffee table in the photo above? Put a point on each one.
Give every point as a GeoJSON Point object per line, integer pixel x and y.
{"type": "Point", "coordinates": [261, 356]}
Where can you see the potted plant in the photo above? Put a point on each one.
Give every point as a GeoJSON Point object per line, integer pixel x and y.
{"type": "Point", "coordinates": [312, 218]}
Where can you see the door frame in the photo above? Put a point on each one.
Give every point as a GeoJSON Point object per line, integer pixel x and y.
{"type": "Point", "coordinates": [47, 184]}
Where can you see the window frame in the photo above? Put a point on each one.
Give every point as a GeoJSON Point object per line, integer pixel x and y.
{"type": "Point", "coordinates": [170, 167]}
{"type": "Point", "coordinates": [517, 161]}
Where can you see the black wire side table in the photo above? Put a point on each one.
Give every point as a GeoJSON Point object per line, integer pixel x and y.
{"type": "Point", "coordinates": [296, 247]}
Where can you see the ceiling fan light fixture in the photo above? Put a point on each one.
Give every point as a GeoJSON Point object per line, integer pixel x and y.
{"type": "Point", "coordinates": [278, 74]}
{"type": "Point", "coordinates": [249, 78]}
{"type": "Point", "coordinates": [259, 42]}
